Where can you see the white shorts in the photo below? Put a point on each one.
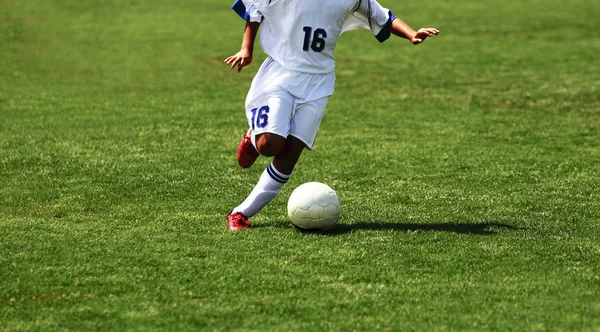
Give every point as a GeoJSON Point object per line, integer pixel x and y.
{"type": "Point", "coordinates": [288, 103]}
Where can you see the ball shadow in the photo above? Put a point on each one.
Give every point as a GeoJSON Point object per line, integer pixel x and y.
{"type": "Point", "coordinates": [488, 228]}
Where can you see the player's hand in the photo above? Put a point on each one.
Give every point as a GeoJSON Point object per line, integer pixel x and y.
{"type": "Point", "coordinates": [241, 59]}
{"type": "Point", "coordinates": [422, 34]}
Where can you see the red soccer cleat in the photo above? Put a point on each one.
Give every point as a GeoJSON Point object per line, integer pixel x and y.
{"type": "Point", "coordinates": [237, 221]}
{"type": "Point", "coordinates": [246, 153]}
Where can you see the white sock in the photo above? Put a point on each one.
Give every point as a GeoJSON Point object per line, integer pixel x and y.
{"type": "Point", "coordinates": [253, 141]}
{"type": "Point", "coordinates": [266, 189]}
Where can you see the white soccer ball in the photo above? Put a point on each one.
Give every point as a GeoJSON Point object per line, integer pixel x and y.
{"type": "Point", "coordinates": [314, 205]}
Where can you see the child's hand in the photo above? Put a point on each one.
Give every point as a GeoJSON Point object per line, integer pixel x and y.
{"type": "Point", "coordinates": [241, 59]}
{"type": "Point", "coordinates": [422, 34]}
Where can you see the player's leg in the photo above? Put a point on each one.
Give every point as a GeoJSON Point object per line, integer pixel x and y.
{"type": "Point", "coordinates": [269, 125]}
{"type": "Point", "coordinates": [287, 158]}
{"type": "Point", "coordinates": [269, 119]}
{"type": "Point", "coordinates": [261, 90]}
{"type": "Point", "coordinates": [269, 144]}
{"type": "Point", "coordinates": [303, 130]}
{"type": "Point", "coordinates": [251, 146]}
{"type": "Point", "coordinates": [273, 178]}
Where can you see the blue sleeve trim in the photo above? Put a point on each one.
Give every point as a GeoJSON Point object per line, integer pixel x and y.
{"type": "Point", "coordinates": [385, 32]}
{"type": "Point", "coordinates": [240, 9]}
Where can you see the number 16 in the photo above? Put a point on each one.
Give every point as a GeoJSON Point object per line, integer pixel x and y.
{"type": "Point", "coordinates": [260, 117]}
{"type": "Point", "coordinates": [318, 42]}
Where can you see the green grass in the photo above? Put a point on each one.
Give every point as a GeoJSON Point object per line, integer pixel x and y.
{"type": "Point", "coordinates": [468, 170]}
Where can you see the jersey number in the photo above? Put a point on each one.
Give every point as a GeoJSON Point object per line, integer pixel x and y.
{"type": "Point", "coordinates": [318, 39]}
{"type": "Point", "coordinates": [260, 117]}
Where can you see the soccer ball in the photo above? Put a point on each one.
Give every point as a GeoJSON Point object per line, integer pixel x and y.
{"type": "Point", "coordinates": [314, 205]}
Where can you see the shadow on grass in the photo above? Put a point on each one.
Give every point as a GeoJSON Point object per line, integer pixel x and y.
{"type": "Point", "coordinates": [460, 228]}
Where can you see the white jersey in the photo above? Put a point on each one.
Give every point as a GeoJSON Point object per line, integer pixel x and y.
{"type": "Point", "coordinates": [301, 35]}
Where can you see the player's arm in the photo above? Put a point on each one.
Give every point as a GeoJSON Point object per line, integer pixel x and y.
{"type": "Point", "coordinates": [402, 29]}
{"type": "Point", "coordinates": [244, 57]}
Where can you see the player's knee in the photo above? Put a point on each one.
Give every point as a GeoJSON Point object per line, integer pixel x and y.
{"type": "Point", "coordinates": [270, 144]}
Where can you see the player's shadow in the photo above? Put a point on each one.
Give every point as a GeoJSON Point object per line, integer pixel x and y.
{"type": "Point", "coordinates": [488, 228]}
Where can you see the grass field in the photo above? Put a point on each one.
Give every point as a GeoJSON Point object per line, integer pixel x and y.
{"type": "Point", "coordinates": [468, 170]}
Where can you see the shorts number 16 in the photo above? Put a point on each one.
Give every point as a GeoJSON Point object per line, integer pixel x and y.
{"type": "Point", "coordinates": [260, 117]}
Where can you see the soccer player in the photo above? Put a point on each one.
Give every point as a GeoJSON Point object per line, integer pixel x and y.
{"type": "Point", "coordinates": [288, 95]}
